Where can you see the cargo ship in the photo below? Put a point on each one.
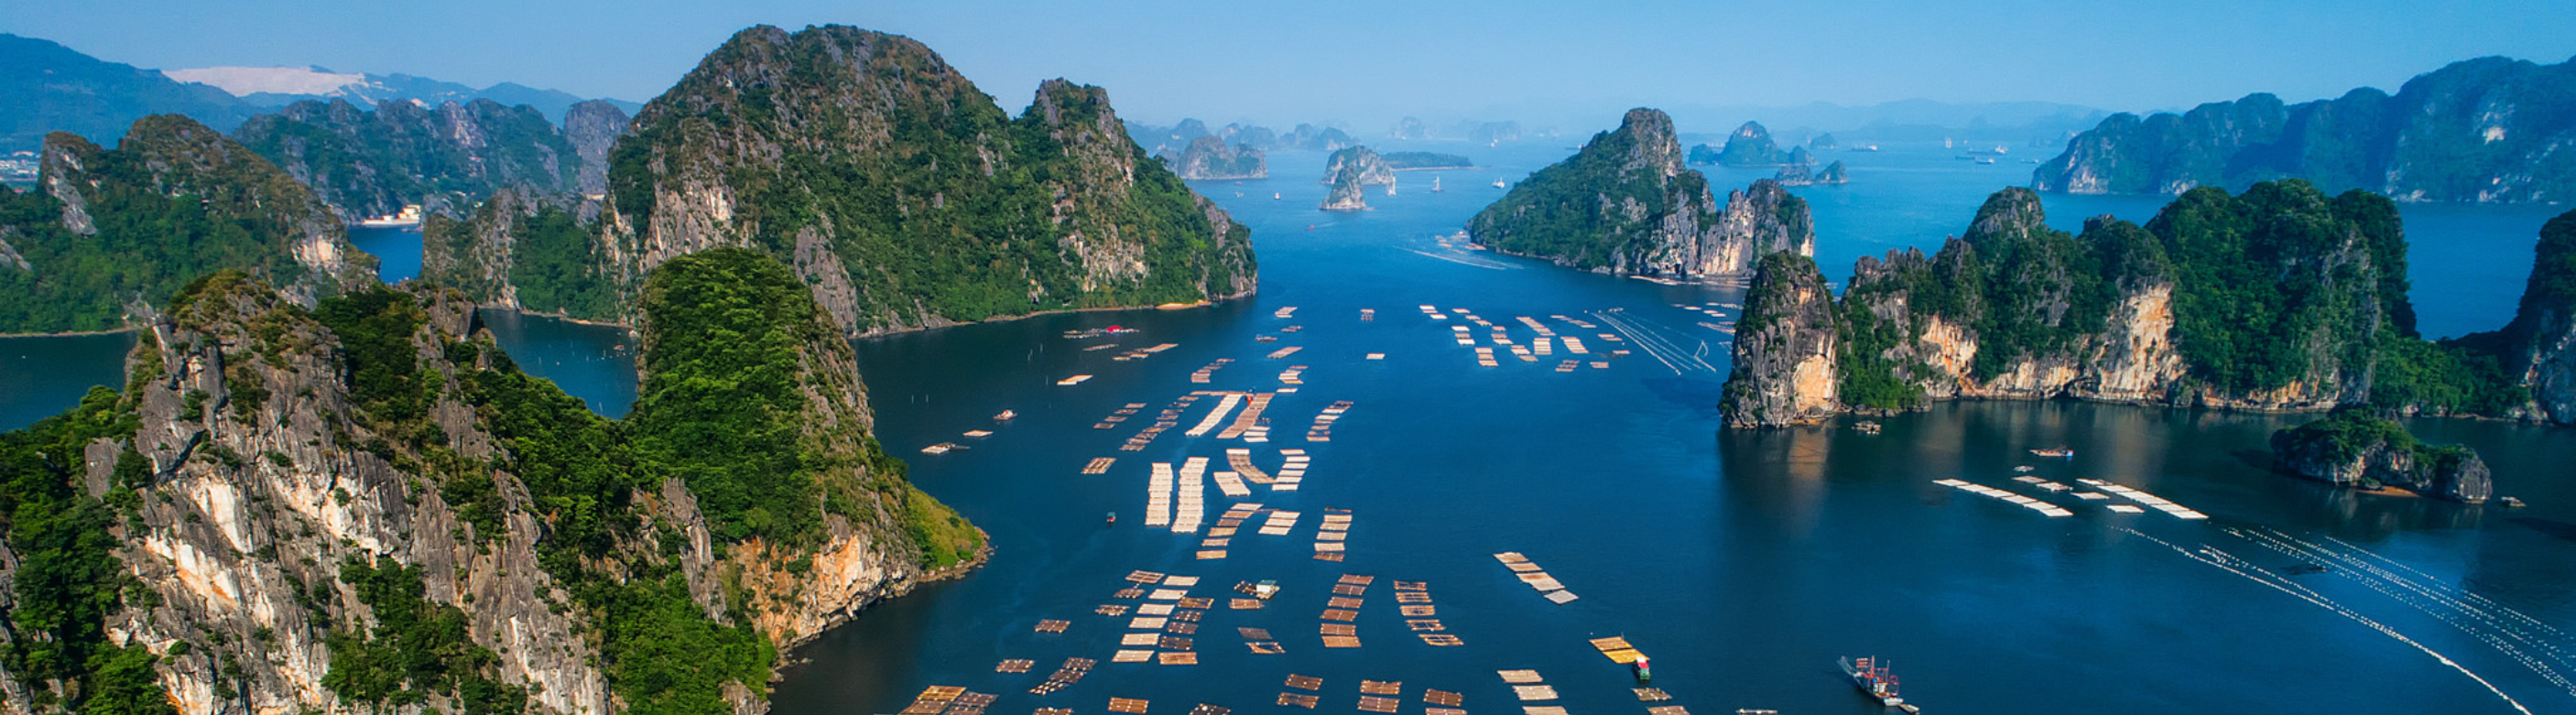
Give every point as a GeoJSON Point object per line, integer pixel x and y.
{"type": "Point", "coordinates": [1871, 676]}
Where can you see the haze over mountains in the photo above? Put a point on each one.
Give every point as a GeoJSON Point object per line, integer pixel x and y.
{"type": "Point", "coordinates": [47, 87]}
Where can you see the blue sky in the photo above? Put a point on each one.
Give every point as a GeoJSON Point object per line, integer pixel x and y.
{"type": "Point", "coordinates": [1367, 62]}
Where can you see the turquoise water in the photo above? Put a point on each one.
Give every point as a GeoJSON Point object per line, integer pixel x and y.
{"type": "Point", "coordinates": [1743, 562]}
{"type": "Point", "coordinates": [398, 250]}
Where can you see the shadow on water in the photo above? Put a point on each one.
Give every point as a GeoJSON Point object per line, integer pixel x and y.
{"type": "Point", "coordinates": [2561, 530]}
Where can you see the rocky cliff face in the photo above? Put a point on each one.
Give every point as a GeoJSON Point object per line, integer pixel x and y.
{"type": "Point", "coordinates": [1350, 187]}
{"type": "Point", "coordinates": [366, 507]}
{"type": "Point", "coordinates": [1362, 164]}
{"type": "Point", "coordinates": [1748, 145]}
{"type": "Point", "coordinates": [1626, 204]}
{"type": "Point", "coordinates": [1800, 174]}
{"type": "Point", "coordinates": [860, 157]}
{"type": "Point", "coordinates": [2539, 347]}
{"type": "Point", "coordinates": [2155, 314]}
{"type": "Point", "coordinates": [2487, 130]}
{"type": "Point", "coordinates": [174, 201]}
{"type": "Point", "coordinates": [444, 158]}
{"type": "Point", "coordinates": [480, 256]}
{"type": "Point", "coordinates": [1786, 348]}
{"type": "Point", "coordinates": [2354, 448]}
{"type": "Point", "coordinates": [592, 128]}
{"type": "Point", "coordinates": [1209, 157]}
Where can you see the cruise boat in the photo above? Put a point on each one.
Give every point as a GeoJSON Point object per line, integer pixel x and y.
{"type": "Point", "coordinates": [409, 217]}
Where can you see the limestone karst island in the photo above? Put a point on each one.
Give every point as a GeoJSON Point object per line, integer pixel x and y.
{"type": "Point", "coordinates": [678, 358]}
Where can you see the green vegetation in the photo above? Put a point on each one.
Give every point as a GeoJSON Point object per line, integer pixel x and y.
{"type": "Point", "coordinates": [417, 648]}
{"type": "Point", "coordinates": [1425, 160]}
{"type": "Point", "coordinates": [376, 354]}
{"type": "Point", "coordinates": [555, 265]}
{"type": "Point", "coordinates": [372, 162]}
{"type": "Point", "coordinates": [935, 201]}
{"type": "Point", "coordinates": [2343, 435]}
{"type": "Point", "coordinates": [1559, 211]}
{"type": "Point", "coordinates": [68, 579]}
{"type": "Point", "coordinates": [176, 202]}
{"type": "Point", "coordinates": [1750, 145]}
{"type": "Point", "coordinates": [726, 340]}
{"type": "Point", "coordinates": [2486, 129]}
{"type": "Point", "coordinates": [2269, 283]}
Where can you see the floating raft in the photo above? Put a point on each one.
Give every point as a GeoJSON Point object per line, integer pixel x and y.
{"type": "Point", "coordinates": [1485, 357]}
{"type": "Point", "coordinates": [1205, 374]}
{"type": "Point", "coordinates": [1251, 417]}
{"type": "Point", "coordinates": [1530, 574]}
{"type": "Point", "coordinates": [1099, 465]}
{"type": "Point", "coordinates": [1368, 313]}
{"type": "Point", "coordinates": [1241, 460]}
{"type": "Point", "coordinates": [1285, 352]}
{"type": "Point", "coordinates": [1232, 484]}
{"type": "Point", "coordinates": [1158, 496]}
{"type": "Point", "coordinates": [1284, 312]}
{"type": "Point", "coordinates": [1322, 430]}
{"type": "Point", "coordinates": [1053, 626]}
{"type": "Point", "coordinates": [1192, 505]}
{"type": "Point", "coordinates": [1015, 665]}
{"type": "Point", "coordinates": [2150, 500]}
{"type": "Point", "coordinates": [1224, 405]}
{"type": "Point", "coordinates": [1652, 695]}
{"type": "Point", "coordinates": [2053, 511]}
{"type": "Point", "coordinates": [1617, 650]}
{"type": "Point", "coordinates": [1131, 706]}
{"type": "Point", "coordinates": [1518, 677]}
{"type": "Point", "coordinates": [1075, 380]}
{"type": "Point", "coordinates": [1279, 523]}
{"type": "Point", "coordinates": [1434, 313]}
{"type": "Point", "coordinates": [940, 448]}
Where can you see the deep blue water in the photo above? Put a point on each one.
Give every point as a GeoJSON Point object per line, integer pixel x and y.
{"type": "Point", "coordinates": [1745, 563]}
{"type": "Point", "coordinates": [398, 249]}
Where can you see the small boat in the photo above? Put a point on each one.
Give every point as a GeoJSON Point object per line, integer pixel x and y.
{"type": "Point", "coordinates": [1499, 183]}
{"type": "Point", "coordinates": [1986, 161]}
{"type": "Point", "coordinates": [1435, 184]}
{"type": "Point", "coordinates": [1645, 671]}
{"type": "Point", "coordinates": [1274, 196]}
{"type": "Point", "coordinates": [1005, 416]}
{"type": "Point", "coordinates": [2055, 452]}
{"type": "Point", "coordinates": [1871, 676]}
{"type": "Point", "coordinates": [2025, 469]}
{"type": "Point", "coordinates": [1866, 427]}
{"type": "Point", "coordinates": [2510, 502]}
{"type": "Point", "coordinates": [1113, 518]}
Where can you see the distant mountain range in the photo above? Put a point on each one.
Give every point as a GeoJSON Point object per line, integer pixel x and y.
{"type": "Point", "coordinates": [46, 87]}
{"type": "Point", "coordinates": [272, 87]}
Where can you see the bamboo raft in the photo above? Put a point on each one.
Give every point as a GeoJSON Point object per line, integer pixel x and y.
{"type": "Point", "coordinates": [1014, 665]}
{"type": "Point", "coordinates": [1523, 352]}
{"type": "Point", "coordinates": [1158, 496]}
{"type": "Point", "coordinates": [1459, 332]}
{"type": "Point", "coordinates": [1284, 312]}
{"type": "Point", "coordinates": [1285, 352]}
{"type": "Point", "coordinates": [1538, 580]}
{"type": "Point", "coordinates": [1053, 626]}
{"type": "Point", "coordinates": [1368, 314]}
{"type": "Point", "coordinates": [1374, 356]}
{"type": "Point", "coordinates": [1207, 373]}
{"type": "Point", "coordinates": [1292, 375]}
{"type": "Point", "coordinates": [2053, 511]}
{"type": "Point", "coordinates": [1251, 416]}
{"type": "Point", "coordinates": [940, 448]}
{"type": "Point", "coordinates": [1099, 465]}
{"type": "Point", "coordinates": [1485, 357]}
{"type": "Point", "coordinates": [1322, 430]}
{"type": "Point", "coordinates": [1617, 650]}
{"type": "Point", "coordinates": [1224, 406]}
{"type": "Point", "coordinates": [1232, 485]}
{"type": "Point", "coordinates": [1434, 313]}
{"type": "Point", "coordinates": [2150, 500]}
{"type": "Point", "coordinates": [1193, 494]}
{"type": "Point", "coordinates": [1075, 380]}
{"type": "Point", "coordinates": [1131, 706]}
{"type": "Point", "coordinates": [1574, 345]}
{"type": "Point", "coordinates": [1279, 523]}
{"type": "Point", "coordinates": [1241, 460]}
{"type": "Point", "coordinates": [1065, 676]}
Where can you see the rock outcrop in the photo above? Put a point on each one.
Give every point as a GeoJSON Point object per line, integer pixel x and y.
{"type": "Point", "coordinates": [1786, 348]}
{"type": "Point", "coordinates": [1349, 190]}
{"type": "Point", "coordinates": [1749, 145]}
{"type": "Point", "coordinates": [109, 235]}
{"type": "Point", "coordinates": [1410, 128]}
{"type": "Point", "coordinates": [1209, 157]}
{"type": "Point", "coordinates": [1309, 137]}
{"type": "Point", "coordinates": [444, 158]}
{"type": "Point", "coordinates": [1801, 175]}
{"type": "Point", "coordinates": [1360, 162]}
{"type": "Point", "coordinates": [1824, 141]}
{"type": "Point", "coordinates": [519, 242]}
{"type": "Point", "coordinates": [365, 506]}
{"type": "Point", "coordinates": [2158, 314]}
{"type": "Point", "coordinates": [2539, 347]}
{"type": "Point", "coordinates": [2357, 449]}
{"type": "Point", "coordinates": [1625, 204]}
{"type": "Point", "coordinates": [2487, 130]}
{"type": "Point", "coordinates": [863, 160]}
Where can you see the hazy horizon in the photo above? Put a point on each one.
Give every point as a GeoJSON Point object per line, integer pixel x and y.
{"type": "Point", "coordinates": [1364, 65]}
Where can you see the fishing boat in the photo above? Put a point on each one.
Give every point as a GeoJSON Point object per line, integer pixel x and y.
{"type": "Point", "coordinates": [1866, 427]}
{"type": "Point", "coordinates": [1006, 416]}
{"type": "Point", "coordinates": [1871, 676]}
{"type": "Point", "coordinates": [1499, 183]}
{"type": "Point", "coordinates": [2055, 452]}
{"type": "Point", "coordinates": [1435, 184]}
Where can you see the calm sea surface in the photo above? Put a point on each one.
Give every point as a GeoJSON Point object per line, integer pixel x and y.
{"type": "Point", "coordinates": [1744, 563]}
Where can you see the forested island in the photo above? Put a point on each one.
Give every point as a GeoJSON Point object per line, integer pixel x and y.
{"type": "Point", "coordinates": [2282, 298]}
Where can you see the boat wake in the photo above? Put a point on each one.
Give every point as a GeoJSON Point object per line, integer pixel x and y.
{"type": "Point", "coordinates": [1660, 342]}
{"type": "Point", "coordinates": [2269, 538]}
